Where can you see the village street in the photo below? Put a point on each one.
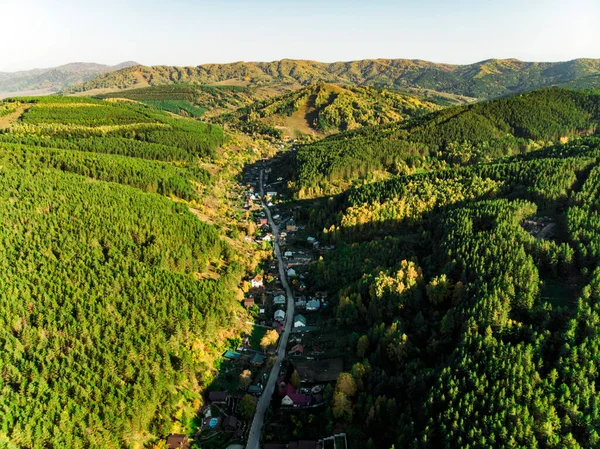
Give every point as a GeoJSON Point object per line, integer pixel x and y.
{"type": "Point", "coordinates": [265, 399]}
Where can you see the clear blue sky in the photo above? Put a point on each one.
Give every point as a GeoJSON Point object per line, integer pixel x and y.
{"type": "Point", "coordinates": [44, 33]}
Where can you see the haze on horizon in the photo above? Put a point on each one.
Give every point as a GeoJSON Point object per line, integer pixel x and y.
{"type": "Point", "coordinates": [188, 33]}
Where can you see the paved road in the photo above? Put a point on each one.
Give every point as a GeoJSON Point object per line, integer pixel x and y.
{"type": "Point", "coordinates": [265, 398]}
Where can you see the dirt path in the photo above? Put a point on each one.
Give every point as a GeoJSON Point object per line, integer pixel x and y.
{"type": "Point", "coordinates": [10, 119]}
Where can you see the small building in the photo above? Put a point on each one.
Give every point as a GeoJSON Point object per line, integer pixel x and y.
{"type": "Point", "coordinates": [279, 315]}
{"type": "Point", "coordinates": [299, 321]}
{"type": "Point", "coordinates": [297, 350]}
{"type": "Point", "coordinates": [248, 302]}
{"type": "Point", "coordinates": [279, 300]}
{"type": "Point", "coordinates": [230, 423]}
{"type": "Point", "coordinates": [313, 304]}
{"type": "Point", "coordinates": [257, 281]}
{"type": "Point", "coordinates": [255, 389]}
{"type": "Point", "coordinates": [291, 226]}
{"type": "Point", "coordinates": [218, 397]}
{"type": "Point", "coordinates": [258, 359]}
{"type": "Point", "coordinates": [178, 441]}
{"type": "Point", "coordinates": [295, 400]}
{"type": "Point", "coordinates": [231, 355]}
{"type": "Point", "coordinates": [291, 273]}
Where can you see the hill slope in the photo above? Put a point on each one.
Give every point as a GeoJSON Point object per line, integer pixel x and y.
{"type": "Point", "coordinates": [52, 79]}
{"type": "Point", "coordinates": [453, 136]}
{"type": "Point", "coordinates": [116, 299]}
{"type": "Point", "coordinates": [485, 79]}
{"type": "Point", "coordinates": [193, 100]}
{"type": "Point", "coordinates": [325, 108]}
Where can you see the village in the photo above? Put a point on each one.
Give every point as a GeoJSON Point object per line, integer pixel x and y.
{"type": "Point", "coordinates": [311, 362]}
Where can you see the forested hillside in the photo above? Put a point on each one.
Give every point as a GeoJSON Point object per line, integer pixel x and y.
{"type": "Point", "coordinates": [117, 299]}
{"type": "Point", "coordinates": [454, 136]}
{"type": "Point", "coordinates": [471, 328]}
{"type": "Point", "coordinates": [52, 79]}
{"type": "Point", "coordinates": [325, 108]}
{"type": "Point", "coordinates": [195, 101]}
{"type": "Point", "coordinates": [486, 79]}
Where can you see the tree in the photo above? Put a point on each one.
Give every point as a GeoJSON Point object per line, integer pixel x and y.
{"type": "Point", "coordinates": [247, 407]}
{"type": "Point", "coordinates": [346, 384]}
{"type": "Point", "coordinates": [295, 379]}
{"type": "Point", "coordinates": [245, 379]}
{"type": "Point", "coordinates": [269, 339]}
{"type": "Point", "coordinates": [362, 346]}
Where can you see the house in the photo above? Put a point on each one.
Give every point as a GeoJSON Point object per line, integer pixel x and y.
{"type": "Point", "coordinates": [279, 300]}
{"type": "Point", "coordinates": [258, 359]}
{"type": "Point", "coordinates": [255, 389]}
{"type": "Point", "coordinates": [291, 226]}
{"type": "Point", "coordinates": [295, 400]}
{"type": "Point", "coordinates": [279, 315]}
{"type": "Point", "coordinates": [218, 397]}
{"type": "Point", "coordinates": [311, 240]}
{"type": "Point", "coordinates": [291, 273]}
{"type": "Point", "coordinates": [272, 194]}
{"type": "Point", "coordinates": [230, 423]}
{"type": "Point", "coordinates": [297, 350]}
{"type": "Point", "coordinates": [257, 281]}
{"type": "Point", "coordinates": [262, 221]}
{"type": "Point", "coordinates": [231, 355]}
{"type": "Point", "coordinates": [288, 254]}
{"type": "Point", "coordinates": [300, 302]}
{"type": "Point", "coordinates": [178, 441]}
{"type": "Point", "coordinates": [248, 302]}
{"type": "Point", "coordinates": [299, 321]}
{"type": "Point", "coordinates": [313, 304]}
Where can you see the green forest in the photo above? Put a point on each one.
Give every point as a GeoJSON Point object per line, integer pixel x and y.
{"type": "Point", "coordinates": [116, 299]}
{"type": "Point", "coordinates": [452, 137]}
{"type": "Point", "coordinates": [468, 327]}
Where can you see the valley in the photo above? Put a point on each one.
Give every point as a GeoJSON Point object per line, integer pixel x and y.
{"type": "Point", "coordinates": [333, 266]}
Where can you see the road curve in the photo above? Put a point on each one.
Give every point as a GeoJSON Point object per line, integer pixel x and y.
{"type": "Point", "coordinates": [265, 398]}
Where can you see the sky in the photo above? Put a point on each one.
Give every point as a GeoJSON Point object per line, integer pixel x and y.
{"type": "Point", "coordinates": [47, 33]}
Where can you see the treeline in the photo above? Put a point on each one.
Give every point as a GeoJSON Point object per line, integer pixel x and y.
{"type": "Point", "coordinates": [452, 137]}
{"type": "Point", "coordinates": [460, 336]}
{"type": "Point", "coordinates": [75, 117]}
{"type": "Point", "coordinates": [149, 176]}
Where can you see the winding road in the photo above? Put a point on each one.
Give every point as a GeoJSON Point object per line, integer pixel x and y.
{"type": "Point", "coordinates": [265, 399]}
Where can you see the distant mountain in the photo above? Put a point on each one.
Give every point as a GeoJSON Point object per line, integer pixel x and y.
{"type": "Point", "coordinates": [324, 109]}
{"type": "Point", "coordinates": [53, 79]}
{"type": "Point", "coordinates": [483, 80]}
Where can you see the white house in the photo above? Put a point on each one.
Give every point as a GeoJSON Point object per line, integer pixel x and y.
{"type": "Point", "coordinates": [288, 254]}
{"type": "Point", "coordinates": [287, 401]}
{"type": "Point", "coordinates": [291, 273]}
{"type": "Point", "coordinates": [279, 315]}
{"type": "Point", "coordinates": [299, 321]}
{"type": "Point", "coordinates": [257, 281]}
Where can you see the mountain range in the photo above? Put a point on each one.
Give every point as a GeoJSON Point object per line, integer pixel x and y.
{"type": "Point", "coordinates": [488, 79]}
{"type": "Point", "coordinates": [50, 80]}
